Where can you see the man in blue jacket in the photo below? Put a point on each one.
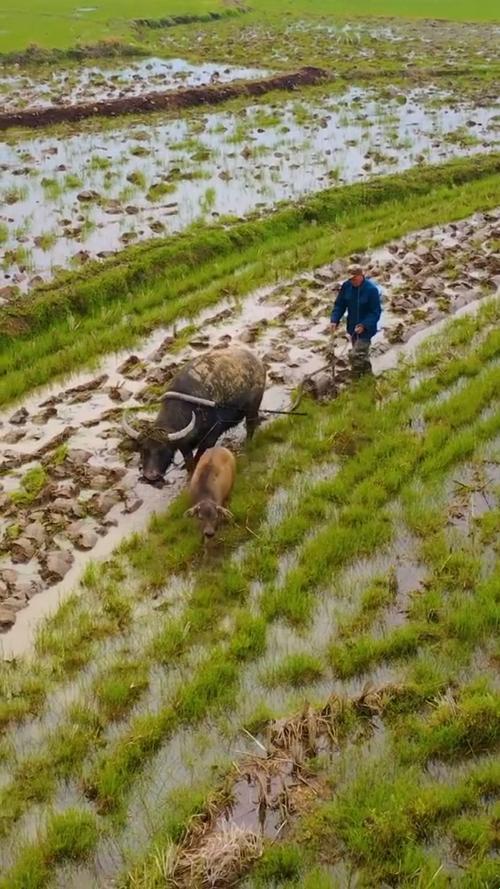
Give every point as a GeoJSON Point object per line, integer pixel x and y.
{"type": "Point", "coordinates": [360, 297]}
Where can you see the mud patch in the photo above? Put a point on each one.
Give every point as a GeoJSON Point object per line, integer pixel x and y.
{"type": "Point", "coordinates": [161, 101]}
{"type": "Point", "coordinates": [92, 83]}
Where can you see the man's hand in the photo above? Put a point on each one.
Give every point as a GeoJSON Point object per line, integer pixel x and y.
{"type": "Point", "coordinates": [333, 327]}
{"type": "Point", "coordinates": [359, 328]}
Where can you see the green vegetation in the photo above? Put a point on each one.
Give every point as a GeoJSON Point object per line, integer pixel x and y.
{"type": "Point", "coordinates": [69, 836]}
{"type": "Point", "coordinates": [131, 731]}
{"type": "Point", "coordinates": [194, 270]}
{"type": "Point", "coordinates": [110, 23]}
{"type": "Point", "coordinates": [31, 485]}
{"type": "Point", "coordinates": [295, 670]}
{"type": "Point", "coordinates": [434, 646]}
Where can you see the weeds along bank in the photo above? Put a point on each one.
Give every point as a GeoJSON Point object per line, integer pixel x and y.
{"type": "Point", "coordinates": [165, 660]}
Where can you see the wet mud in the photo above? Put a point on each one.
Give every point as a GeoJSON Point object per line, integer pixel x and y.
{"type": "Point", "coordinates": [161, 101]}
{"type": "Point", "coordinates": [69, 490]}
{"type": "Point", "coordinates": [94, 83]}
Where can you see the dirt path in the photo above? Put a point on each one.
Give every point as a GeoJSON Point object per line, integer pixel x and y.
{"type": "Point", "coordinates": [161, 101]}
{"type": "Point", "coordinates": [82, 494]}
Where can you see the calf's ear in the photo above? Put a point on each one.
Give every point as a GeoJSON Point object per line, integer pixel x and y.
{"type": "Point", "coordinates": [225, 512]}
{"type": "Point", "coordinates": [191, 512]}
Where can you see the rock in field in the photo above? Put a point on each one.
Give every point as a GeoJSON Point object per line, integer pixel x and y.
{"type": "Point", "coordinates": [7, 617]}
{"type": "Point", "coordinates": [19, 417]}
{"type": "Point", "coordinates": [22, 550]}
{"type": "Point", "coordinates": [57, 564]}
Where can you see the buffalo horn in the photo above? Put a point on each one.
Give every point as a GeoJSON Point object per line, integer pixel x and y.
{"type": "Point", "coordinates": [192, 399]}
{"type": "Point", "coordinates": [129, 429]}
{"type": "Point", "coordinates": [176, 436]}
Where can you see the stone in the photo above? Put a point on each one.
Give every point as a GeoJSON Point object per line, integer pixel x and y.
{"type": "Point", "coordinates": [26, 588]}
{"type": "Point", "coordinates": [22, 550]}
{"type": "Point", "coordinates": [58, 563]}
{"type": "Point", "coordinates": [89, 386]}
{"type": "Point", "coordinates": [7, 617]}
{"type": "Point", "coordinates": [35, 531]}
{"type": "Point", "coordinates": [9, 576]}
{"type": "Point", "coordinates": [132, 504]}
{"type": "Point", "coordinates": [412, 260]}
{"type": "Point", "coordinates": [14, 435]}
{"type": "Point", "coordinates": [87, 539]}
{"type": "Point", "coordinates": [396, 334]}
{"type": "Point", "coordinates": [65, 488]}
{"type": "Point", "coordinates": [15, 602]}
{"type": "Point", "coordinates": [119, 393]}
{"type": "Point", "coordinates": [41, 418]}
{"type": "Point", "coordinates": [78, 456]}
{"type": "Point", "coordinates": [104, 502]}
{"type": "Point", "coordinates": [159, 375]}
{"type": "Point", "coordinates": [432, 285]}
{"type": "Point", "coordinates": [100, 482]}
{"type": "Point", "coordinates": [130, 364]}
{"type": "Point", "coordinates": [19, 417]}
{"type": "Point", "coordinates": [88, 195]}
{"type": "Point", "coordinates": [62, 505]}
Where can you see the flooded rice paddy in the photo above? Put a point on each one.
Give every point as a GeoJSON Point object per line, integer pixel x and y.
{"type": "Point", "coordinates": [56, 86]}
{"type": "Point", "coordinates": [83, 195]}
{"type": "Point", "coordinates": [90, 497]}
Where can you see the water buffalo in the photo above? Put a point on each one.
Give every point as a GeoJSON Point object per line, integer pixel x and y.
{"type": "Point", "coordinates": [210, 486]}
{"type": "Point", "coordinates": [210, 394]}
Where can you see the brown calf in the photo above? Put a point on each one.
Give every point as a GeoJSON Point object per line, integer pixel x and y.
{"type": "Point", "coordinates": [210, 486]}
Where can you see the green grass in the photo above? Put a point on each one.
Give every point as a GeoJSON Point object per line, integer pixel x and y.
{"type": "Point", "coordinates": [120, 686]}
{"type": "Point", "coordinates": [56, 25]}
{"type": "Point", "coordinates": [295, 670]}
{"type": "Point", "coordinates": [32, 483]}
{"type": "Point", "coordinates": [194, 270]}
{"type": "Point", "coordinates": [329, 527]}
{"type": "Point", "coordinates": [382, 815]}
{"type": "Point", "coordinates": [68, 837]}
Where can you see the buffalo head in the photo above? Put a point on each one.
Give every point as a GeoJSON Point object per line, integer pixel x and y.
{"type": "Point", "coordinates": [208, 513]}
{"type": "Point", "coordinates": [157, 446]}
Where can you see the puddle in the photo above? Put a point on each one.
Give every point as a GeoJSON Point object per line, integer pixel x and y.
{"type": "Point", "coordinates": [273, 321]}
{"type": "Point", "coordinates": [83, 196]}
{"type": "Point", "coordinates": [259, 807]}
{"type": "Point", "coordinates": [70, 86]}
{"type": "Point", "coordinates": [471, 495]}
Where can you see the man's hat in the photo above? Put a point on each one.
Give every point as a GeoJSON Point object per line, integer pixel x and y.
{"type": "Point", "coordinates": [354, 270]}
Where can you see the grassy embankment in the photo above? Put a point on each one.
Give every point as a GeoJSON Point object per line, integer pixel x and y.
{"type": "Point", "coordinates": [64, 327]}
{"type": "Point", "coordinates": [336, 521]}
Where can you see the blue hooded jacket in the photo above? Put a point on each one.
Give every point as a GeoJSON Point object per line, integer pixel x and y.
{"type": "Point", "coordinates": [362, 304]}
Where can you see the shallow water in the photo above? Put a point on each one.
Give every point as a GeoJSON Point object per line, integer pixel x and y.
{"type": "Point", "coordinates": [86, 83]}
{"type": "Point", "coordinates": [221, 164]}
{"type": "Point", "coordinates": [292, 346]}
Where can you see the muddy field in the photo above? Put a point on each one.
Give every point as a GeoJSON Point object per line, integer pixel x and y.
{"type": "Point", "coordinates": [312, 700]}
{"type": "Point", "coordinates": [93, 83]}
{"type": "Point", "coordinates": [73, 198]}
{"type": "Point", "coordinates": [65, 485]}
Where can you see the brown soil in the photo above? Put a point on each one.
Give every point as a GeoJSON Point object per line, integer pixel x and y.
{"type": "Point", "coordinates": [186, 98]}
